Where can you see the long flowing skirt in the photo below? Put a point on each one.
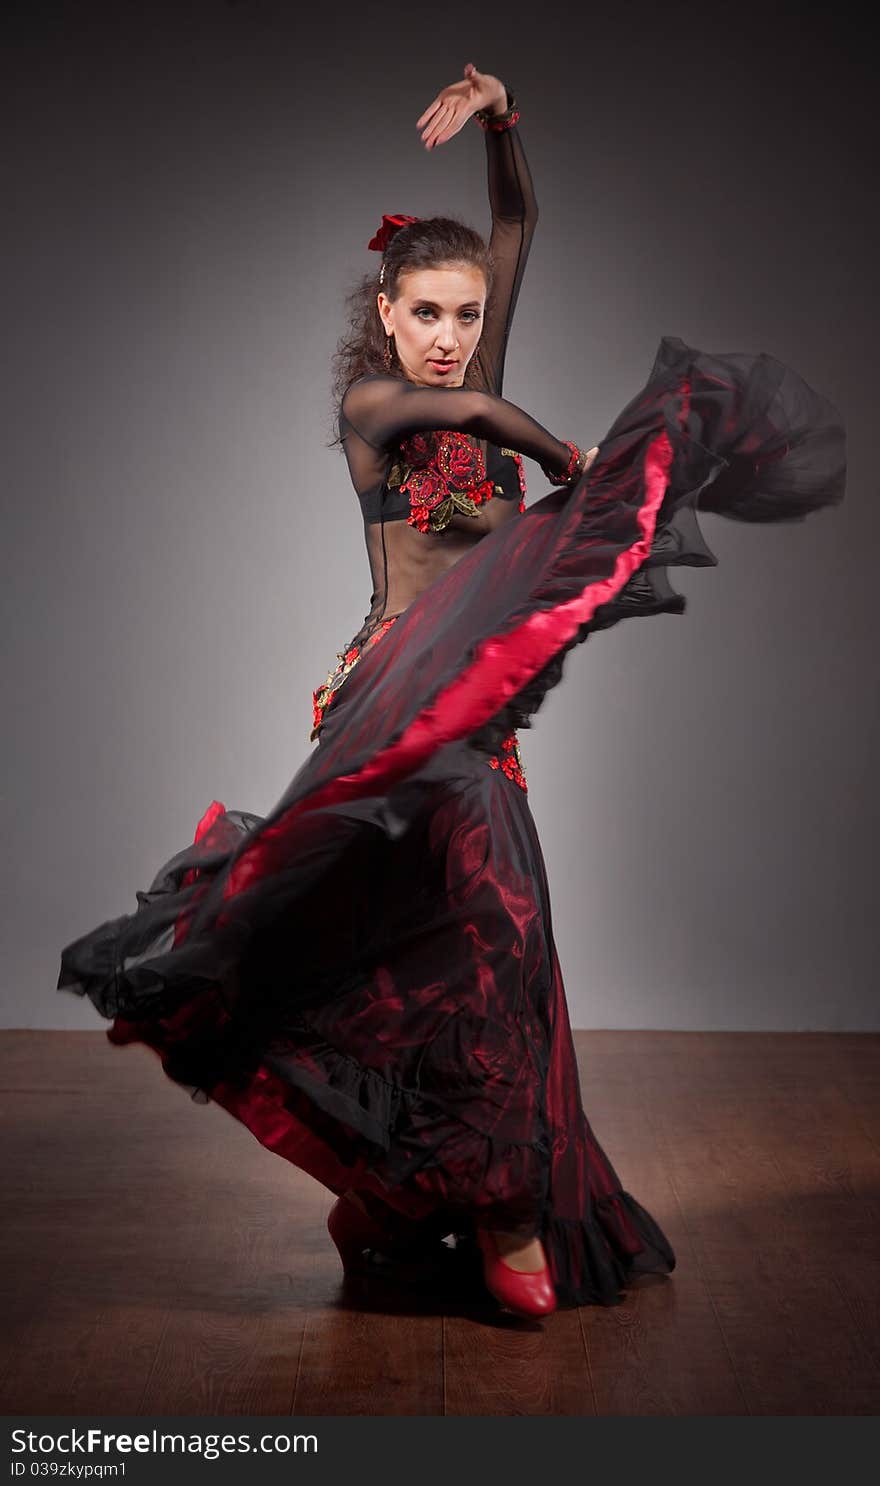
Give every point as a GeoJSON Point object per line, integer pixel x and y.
{"type": "Point", "coordinates": [367, 977]}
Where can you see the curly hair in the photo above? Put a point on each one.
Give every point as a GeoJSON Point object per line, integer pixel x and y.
{"type": "Point", "coordinates": [431, 242]}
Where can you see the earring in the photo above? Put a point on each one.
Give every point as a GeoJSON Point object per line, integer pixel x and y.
{"type": "Point", "coordinates": [388, 352]}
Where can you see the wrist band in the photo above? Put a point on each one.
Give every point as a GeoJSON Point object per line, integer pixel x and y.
{"type": "Point", "coordinates": [496, 122]}
{"type": "Point", "coordinates": [573, 468]}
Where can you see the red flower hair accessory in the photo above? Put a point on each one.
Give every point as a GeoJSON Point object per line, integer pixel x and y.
{"type": "Point", "coordinates": [390, 225]}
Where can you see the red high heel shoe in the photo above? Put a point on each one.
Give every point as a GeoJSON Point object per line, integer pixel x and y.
{"type": "Point", "coordinates": [353, 1230]}
{"type": "Point", "coordinates": [524, 1293]}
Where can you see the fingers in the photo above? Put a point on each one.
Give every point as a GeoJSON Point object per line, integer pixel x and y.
{"type": "Point", "coordinates": [429, 112]}
{"type": "Point", "coordinates": [436, 131]}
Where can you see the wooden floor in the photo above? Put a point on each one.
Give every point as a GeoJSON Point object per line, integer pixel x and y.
{"type": "Point", "coordinates": [157, 1260]}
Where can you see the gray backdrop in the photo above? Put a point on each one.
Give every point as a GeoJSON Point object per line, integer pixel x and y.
{"type": "Point", "coordinates": [192, 189]}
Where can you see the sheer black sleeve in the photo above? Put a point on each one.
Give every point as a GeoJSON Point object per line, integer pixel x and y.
{"type": "Point", "coordinates": [383, 409]}
{"type": "Point", "coordinates": [514, 215]}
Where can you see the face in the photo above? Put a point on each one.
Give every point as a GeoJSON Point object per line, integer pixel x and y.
{"type": "Point", "coordinates": [437, 317]}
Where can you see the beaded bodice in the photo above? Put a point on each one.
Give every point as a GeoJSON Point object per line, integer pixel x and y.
{"type": "Point", "coordinates": [445, 473]}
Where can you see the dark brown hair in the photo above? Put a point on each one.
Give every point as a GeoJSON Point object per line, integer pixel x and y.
{"type": "Point", "coordinates": [431, 242]}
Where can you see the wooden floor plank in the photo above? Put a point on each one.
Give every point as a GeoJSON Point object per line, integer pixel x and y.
{"type": "Point", "coordinates": [499, 1364]}
{"type": "Point", "coordinates": [662, 1352]}
{"type": "Point", "coordinates": [372, 1345]}
{"type": "Point", "coordinates": [723, 1125]}
{"type": "Point", "coordinates": [234, 1337]}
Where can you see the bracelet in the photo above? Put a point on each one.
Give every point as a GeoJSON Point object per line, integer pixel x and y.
{"type": "Point", "coordinates": [497, 122]}
{"type": "Point", "coordinates": [574, 467]}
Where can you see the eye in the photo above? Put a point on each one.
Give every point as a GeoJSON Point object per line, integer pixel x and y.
{"type": "Point", "coordinates": [468, 315]}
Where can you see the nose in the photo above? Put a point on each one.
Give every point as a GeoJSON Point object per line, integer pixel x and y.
{"type": "Point", "coordinates": [447, 344]}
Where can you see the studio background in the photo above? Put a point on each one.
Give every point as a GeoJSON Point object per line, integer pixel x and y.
{"type": "Point", "coordinates": [191, 191]}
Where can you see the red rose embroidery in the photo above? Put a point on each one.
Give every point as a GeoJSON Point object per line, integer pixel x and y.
{"type": "Point", "coordinates": [428, 486]}
{"type": "Point", "coordinates": [463, 462]}
{"type": "Point", "coordinates": [446, 472]}
{"type": "Point", "coordinates": [420, 448]}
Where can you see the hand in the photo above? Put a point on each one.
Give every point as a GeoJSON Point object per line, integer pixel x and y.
{"type": "Point", "coordinates": [575, 467]}
{"type": "Point", "coordinates": [454, 105]}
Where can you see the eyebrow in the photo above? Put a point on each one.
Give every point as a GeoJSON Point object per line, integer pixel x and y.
{"type": "Point", "coordinates": [431, 304]}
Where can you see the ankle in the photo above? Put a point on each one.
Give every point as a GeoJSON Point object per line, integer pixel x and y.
{"type": "Point", "coordinates": [520, 1252]}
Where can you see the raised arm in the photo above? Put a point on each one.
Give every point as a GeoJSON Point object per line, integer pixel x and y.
{"type": "Point", "coordinates": [514, 211]}
{"type": "Point", "coordinates": [380, 410]}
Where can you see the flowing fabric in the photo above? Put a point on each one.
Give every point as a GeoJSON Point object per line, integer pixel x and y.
{"type": "Point", "coordinates": [367, 976]}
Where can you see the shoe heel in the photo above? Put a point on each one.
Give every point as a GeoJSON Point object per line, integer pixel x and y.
{"type": "Point", "coordinates": [353, 1231]}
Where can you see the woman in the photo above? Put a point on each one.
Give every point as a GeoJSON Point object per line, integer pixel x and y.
{"type": "Point", "coordinates": [367, 977]}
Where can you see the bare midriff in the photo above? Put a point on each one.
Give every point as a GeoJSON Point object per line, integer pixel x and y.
{"type": "Point", "coordinates": [416, 559]}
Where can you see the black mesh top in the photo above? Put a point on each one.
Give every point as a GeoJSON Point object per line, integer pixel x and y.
{"type": "Point", "coordinates": [396, 431]}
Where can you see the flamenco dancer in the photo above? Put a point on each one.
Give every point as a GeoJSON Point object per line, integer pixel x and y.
{"type": "Point", "coordinates": [367, 977]}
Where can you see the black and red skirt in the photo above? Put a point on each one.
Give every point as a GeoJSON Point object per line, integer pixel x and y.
{"type": "Point", "coordinates": [367, 977]}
